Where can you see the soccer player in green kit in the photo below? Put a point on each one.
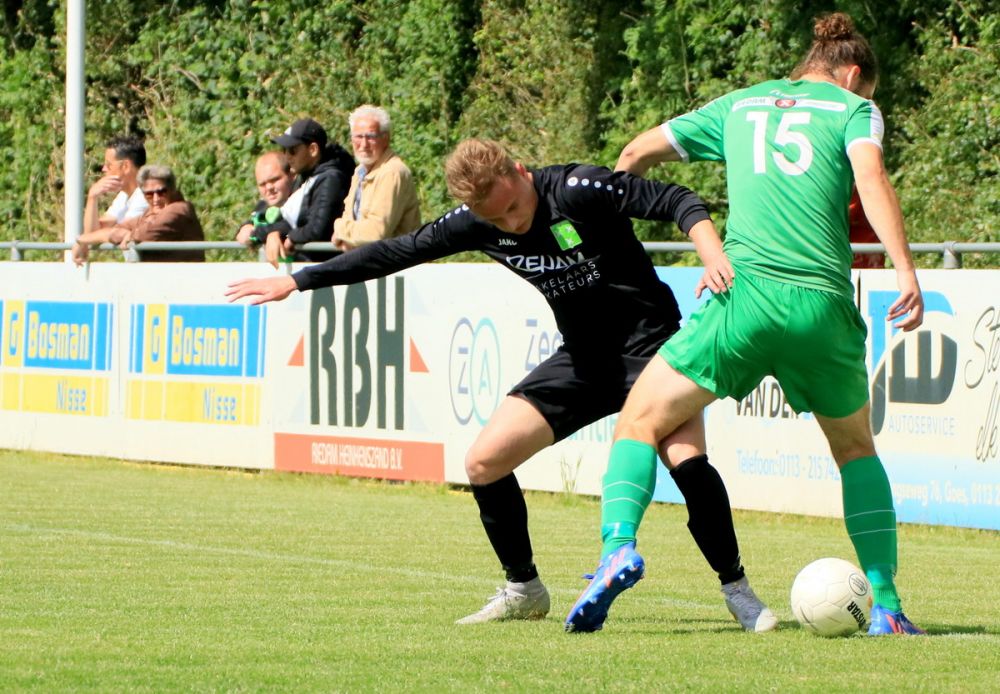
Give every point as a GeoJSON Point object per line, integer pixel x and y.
{"type": "Point", "coordinates": [783, 303]}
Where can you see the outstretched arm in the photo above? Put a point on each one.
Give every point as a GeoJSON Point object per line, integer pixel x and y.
{"type": "Point", "coordinates": [429, 242]}
{"type": "Point", "coordinates": [882, 209]}
{"type": "Point", "coordinates": [262, 290]}
{"type": "Point", "coordinates": [645, 151]}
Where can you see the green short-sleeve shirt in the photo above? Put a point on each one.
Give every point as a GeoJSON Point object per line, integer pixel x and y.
{"type": "Point", "coordinates": [785, 145]}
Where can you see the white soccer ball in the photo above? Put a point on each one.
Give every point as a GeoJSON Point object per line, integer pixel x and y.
{"type": "Point", "coordinates": [831, 597]}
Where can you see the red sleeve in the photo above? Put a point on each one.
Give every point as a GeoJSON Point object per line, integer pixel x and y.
{"type": "Point", "coordinates": [861, 232]}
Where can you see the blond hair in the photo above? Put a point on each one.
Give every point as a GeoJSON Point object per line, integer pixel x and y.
{"type": "Point", "coordinates": [474, 167]}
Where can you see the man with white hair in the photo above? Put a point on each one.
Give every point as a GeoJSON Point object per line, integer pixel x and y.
{"type": "Point", "coordinates": [382, 201]}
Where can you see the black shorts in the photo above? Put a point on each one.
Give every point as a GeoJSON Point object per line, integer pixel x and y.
{"type": "Point", "coordinates": [576, 387]}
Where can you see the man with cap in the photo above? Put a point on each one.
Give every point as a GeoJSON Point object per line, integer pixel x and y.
{"type": "Point", "coordinates": [322, 177]}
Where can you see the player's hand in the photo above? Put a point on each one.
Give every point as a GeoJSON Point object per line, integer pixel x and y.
{"type": "Point", "coordinates": [274, 249]}
{"type": "Point", "coordinates": [262, 290]}
{"type": "Point", "coordinates": [718, 276]}
{"type": "Point", "coordinates": [910, 304]}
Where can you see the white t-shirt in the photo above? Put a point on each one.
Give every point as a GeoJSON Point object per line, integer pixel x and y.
{"type": "Point", "coordinates": [127, 206]}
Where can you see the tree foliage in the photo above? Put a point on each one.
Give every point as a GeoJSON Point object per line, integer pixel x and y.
{"type": "Point", "coordinates": [556, 80]}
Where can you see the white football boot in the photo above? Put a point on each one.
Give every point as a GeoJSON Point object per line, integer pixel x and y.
{"type": "Point", "coordinates": [746, 607]}
{"type": "Point", "coordinates": [528, 600]}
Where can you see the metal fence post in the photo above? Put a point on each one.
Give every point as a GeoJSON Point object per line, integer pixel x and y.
{"type": "Point", "coordinates": [952, 258]}
{"type": "Point", "coordinates": [15, 252]}
{"type": "Point", "coordinates": [131, 254]}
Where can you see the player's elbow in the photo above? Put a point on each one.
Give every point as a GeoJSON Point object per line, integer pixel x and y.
{"type": "Point", "coordinates": [630, 159]}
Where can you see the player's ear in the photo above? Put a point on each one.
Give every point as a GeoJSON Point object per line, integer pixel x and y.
{"type": "Point", "coordinates": [851, 78]}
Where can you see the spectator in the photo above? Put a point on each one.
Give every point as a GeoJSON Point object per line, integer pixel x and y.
{"type": "Point", "coordinates": [169, 218]}
{"type": "Point", "coordinates": [323, 173]}
{"type": "Point", "coordinates": [382, 201]}
{"type": "Point", "coordinates": [274, 183]}
{"type": "Point", "coordinates": [861, 232]}
{"type": "Point", "coordinates": [123, 158]}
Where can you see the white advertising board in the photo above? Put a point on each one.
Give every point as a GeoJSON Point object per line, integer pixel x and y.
{"type": "Point", "coordinates": [394, 378]}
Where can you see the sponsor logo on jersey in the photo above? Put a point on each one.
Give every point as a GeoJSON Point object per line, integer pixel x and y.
{"type": "Point", "coordinates": [566, 235]}
{"type": "Point", "coordinates": [506, 242]}
{"type": "Point", "coordinates": [784, 103]}
{"type": "Point", "coordinates": [543, 263]}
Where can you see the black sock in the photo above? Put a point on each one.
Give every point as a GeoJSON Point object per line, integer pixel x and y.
{"type": "Point", "coordinates": [505, 519]}
{"type": "Point", "coordinates": [710, 518]}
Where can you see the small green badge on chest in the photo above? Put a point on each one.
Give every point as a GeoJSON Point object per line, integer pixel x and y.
{"type": "Point", "coordinates": [566, 235]}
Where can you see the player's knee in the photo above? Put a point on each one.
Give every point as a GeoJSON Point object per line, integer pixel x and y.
{"type": "Point", "coordinates": [480, 466]}
{"type": "Point", "coordinates": [845, 451]}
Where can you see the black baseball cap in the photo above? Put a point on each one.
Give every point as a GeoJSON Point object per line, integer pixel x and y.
{"type": "Point", "coordinates": [301, 132]}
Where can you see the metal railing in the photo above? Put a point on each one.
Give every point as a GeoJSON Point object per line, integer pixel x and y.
{"type": "Point", "coordinates": [950, 251]}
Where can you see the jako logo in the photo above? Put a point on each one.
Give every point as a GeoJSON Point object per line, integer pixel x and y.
{"type": "Point", "coordinates": [474, 370]}
{"type": "Point", "coordinates": [889, 381]}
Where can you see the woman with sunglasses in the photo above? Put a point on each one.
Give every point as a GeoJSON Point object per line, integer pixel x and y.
{"type": "Point", "coordinates": [169, 218]}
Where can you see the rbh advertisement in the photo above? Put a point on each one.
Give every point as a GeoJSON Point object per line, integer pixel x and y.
{"type": "Point", "coordinates": [394, 379]}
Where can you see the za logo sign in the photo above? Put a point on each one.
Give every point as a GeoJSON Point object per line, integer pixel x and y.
{"type": "Point", "coordinates": [474, 370]}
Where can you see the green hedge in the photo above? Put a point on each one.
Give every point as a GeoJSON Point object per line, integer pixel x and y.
{"type": "Point", "coordinates": [557, 80]}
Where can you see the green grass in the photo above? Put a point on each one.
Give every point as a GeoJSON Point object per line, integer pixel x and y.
{"type": "Point", "coordinates": [117, 576]}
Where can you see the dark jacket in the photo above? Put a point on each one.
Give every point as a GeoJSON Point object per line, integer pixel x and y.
{"type": "Point", "coordinates": [323, 201]}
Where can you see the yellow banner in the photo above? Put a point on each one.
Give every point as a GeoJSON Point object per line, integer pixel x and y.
{"type": "Point", "coordinates": [194, 401]}
{"type": "Point", "coordinates": [56, 394]}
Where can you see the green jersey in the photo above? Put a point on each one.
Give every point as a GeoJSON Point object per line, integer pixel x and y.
{"type": "Point", "coordinates": [785, 145]}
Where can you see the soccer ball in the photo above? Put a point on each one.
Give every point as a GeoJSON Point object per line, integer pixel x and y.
{"type": "Point", "coordinates": [831, 597]}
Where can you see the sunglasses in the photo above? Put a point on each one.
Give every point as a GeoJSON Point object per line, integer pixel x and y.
{"type": "Point", "coordinates": [150, 194]}
{"type": "Point", "coordinates": [371, 137]}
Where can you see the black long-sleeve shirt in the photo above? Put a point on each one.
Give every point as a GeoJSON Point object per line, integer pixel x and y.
{"type": "Point", "coordinates": [580, 252]}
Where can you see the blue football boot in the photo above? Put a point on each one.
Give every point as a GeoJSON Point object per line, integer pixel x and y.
{"type": "Point", "coordinates": [885, 621]}
{"type": "Point", "coordinates": [619, 571]}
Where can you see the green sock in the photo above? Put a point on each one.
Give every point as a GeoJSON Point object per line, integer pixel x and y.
{"type": "Point", "coordinates": [871, 522]}
{"type": "Point", "coordinates": [628, 489]}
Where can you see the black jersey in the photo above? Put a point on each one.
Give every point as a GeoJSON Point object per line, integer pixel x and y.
{"type": "Point", "coordinates": [580, 252]}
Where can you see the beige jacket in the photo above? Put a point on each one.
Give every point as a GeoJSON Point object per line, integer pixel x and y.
{"type": "Point", "coordinates": [389, 204]}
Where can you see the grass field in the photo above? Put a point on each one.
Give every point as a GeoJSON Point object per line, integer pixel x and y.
{"type": "Point", "coordinates": [117, 576]}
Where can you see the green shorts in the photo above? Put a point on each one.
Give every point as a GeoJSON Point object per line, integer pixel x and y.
{"type": "Point", "coordinates": [811, 341]}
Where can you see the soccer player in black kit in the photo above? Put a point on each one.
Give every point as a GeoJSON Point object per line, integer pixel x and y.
{"type": "Point", "coordinates": [566, 230]}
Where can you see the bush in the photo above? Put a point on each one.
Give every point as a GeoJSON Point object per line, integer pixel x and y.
{"type": "Point", "coordinates": [556, 80]}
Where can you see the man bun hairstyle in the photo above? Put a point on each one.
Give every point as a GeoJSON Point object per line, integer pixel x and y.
{"type": "Point", "coordinates": [837, 43]}
{"type": "Point", "coordinates": [474, 167]}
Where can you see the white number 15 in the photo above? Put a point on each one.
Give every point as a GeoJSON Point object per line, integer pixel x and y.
{"type": "Point", "coordinates": [784, 136]}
